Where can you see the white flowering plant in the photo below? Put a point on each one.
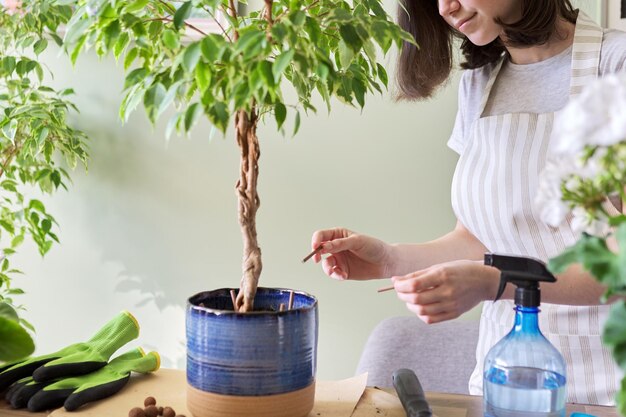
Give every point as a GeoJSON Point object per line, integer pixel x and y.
{"type": "Point", "coordinates": [582, 182]}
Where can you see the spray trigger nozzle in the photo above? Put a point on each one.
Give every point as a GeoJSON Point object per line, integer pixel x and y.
{"type": "Point", "coordinates": [524, 272]}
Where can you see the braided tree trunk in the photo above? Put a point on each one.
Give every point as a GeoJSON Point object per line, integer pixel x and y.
{"type": "Point", "coordinates": [245, 129]}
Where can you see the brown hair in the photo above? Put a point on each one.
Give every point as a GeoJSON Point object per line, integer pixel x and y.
{"type": "Point", "coordinates": [421, 70]}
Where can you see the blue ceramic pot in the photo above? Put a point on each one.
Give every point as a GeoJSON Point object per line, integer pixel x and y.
{"type": "Point", "coordinates": [264, 352]}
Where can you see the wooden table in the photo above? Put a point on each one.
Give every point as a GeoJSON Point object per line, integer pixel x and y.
{"type": "Point", "coordinates": [472, 404]}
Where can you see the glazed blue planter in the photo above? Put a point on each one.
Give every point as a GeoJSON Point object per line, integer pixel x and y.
{"type": "Point", "coordinates": [263, 353]}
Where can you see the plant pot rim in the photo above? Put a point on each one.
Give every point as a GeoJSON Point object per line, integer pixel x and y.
{"type": "Point", "coordinates": [217, 311]}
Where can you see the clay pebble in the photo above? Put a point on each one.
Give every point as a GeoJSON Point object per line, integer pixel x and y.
{"type": "Point", "coordinates": [136, 412]}
{"type": "Point", "coordinates": [151, 411]}
{"type": "Point", "coordinates": [149, 401]}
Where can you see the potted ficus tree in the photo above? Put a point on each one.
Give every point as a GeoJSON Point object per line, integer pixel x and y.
{"type": "Point", "coordinates": [34, 137]}
{"type": "Point", "coordinates": [240, 345]}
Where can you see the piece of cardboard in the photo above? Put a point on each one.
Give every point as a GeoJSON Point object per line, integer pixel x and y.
{"type": "Point", "coordinates": [338, 398]}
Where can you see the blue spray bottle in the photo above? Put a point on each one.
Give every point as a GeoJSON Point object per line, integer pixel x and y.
{"type": "Point", "coordinates": [524, 374]}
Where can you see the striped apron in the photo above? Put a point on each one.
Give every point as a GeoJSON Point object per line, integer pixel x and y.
{"type": "Point", "coordinates": [493, 189]}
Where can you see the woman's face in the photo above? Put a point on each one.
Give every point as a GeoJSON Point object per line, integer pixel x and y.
{"type": "Point", "coordinates": [475, 18]}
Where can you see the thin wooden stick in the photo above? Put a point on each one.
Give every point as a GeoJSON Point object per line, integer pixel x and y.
{"type": "Point", "coordinates": [233, 298]}
{"type": "Point", "coordinates": [310, 255]}
{"type": "Point", "coordinates": [281, 307]}
{"type": "Point", "coordinates": [290, 305]}
{"type": "Point", "coordinates": [383, 289]}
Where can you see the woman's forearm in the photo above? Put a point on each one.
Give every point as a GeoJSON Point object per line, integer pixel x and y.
{"type": "Point", "coordinates": [456, 245]}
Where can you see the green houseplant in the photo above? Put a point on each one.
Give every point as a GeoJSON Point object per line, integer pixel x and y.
{"type": "Point", "coordinates": [588, 163]}
{"type": "Point", "coordinates": [237, 74]}
{"type": "Point", "coordinates": [34, 137]}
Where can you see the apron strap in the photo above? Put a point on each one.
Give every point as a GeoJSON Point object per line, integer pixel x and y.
{"type": "Point", "coordinates": [585, 58]}
{"type": "Point", "coordinates": [490, 82]}
{"type": "Point", "coordinates": [585, 53]}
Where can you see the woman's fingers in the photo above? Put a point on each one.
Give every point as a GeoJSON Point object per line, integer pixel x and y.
{"type": "Point", "coordinates": [416, 282]}
{"type": "Point", "coordinates": [333, 269]}
{"type": "Point", "coordinates": [321, 239]}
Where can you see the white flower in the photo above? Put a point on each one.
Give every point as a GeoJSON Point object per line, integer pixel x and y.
{"type": "Point", "coordinates": [582, 222]}
{"type": "Point", "coordinates": [552, 209]}
{"type": "Point", "coordinates": [596, 117]}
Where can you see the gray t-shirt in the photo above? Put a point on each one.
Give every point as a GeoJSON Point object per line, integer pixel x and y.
{"type": "Point", "coordinates": [541, 87]}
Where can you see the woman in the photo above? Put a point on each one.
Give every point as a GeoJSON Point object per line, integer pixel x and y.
{"type": "Point", "coordinates": [524, 59]}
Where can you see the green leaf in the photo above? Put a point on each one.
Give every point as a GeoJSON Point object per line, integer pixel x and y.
{"type": "Point", "coordinates": [265, 71]}
{"type": "Point", "coordinates": [15, 342]}
{"type": "Point", "coordinates": [9, 130]}
{"type": "Point", "coordinates": [297, 17]}
{"type": "Point", "coordinates": [339, 14]}
{"type": "Point", "coordinates": [36, 205]}
{"type": "Point", "coordinates": [17, 240]}
{"type": "Point", "coordinates": [191, 56]}
{"type": "Point", "coordinates": [8, 65]}
{"type": "Point", "coordinates": [210, 47]}
{"type": "Point", "coordinates": [136, 6]}
{"type": "Point", "coordinates": [40, 46]}
{"type": "Point", "coordinates": [120, 45]}
{"type": "Point", "coordinates": [43, 134]}
{"type": "Point", "coordinates": [296, 124]}
{"type": "Point", "coordinates": [152, 100]}
{"type": "Point", "coordinates": [346, 55]}
{"type": "Point", "coordinates": [182, 14]}
{"type": "Point", "coordinates": [359, 91]}
{"type": "Point", "coordinates": [170, 39]}
{"type": "Point", "coordinates": [172, 124]}
{"type": "Point", "coordinates": [111, 33]}
{"type": "Point", "coordinates": [280, 112]}
{"type": "Point", "coordinates": [75, 31]}
{"type": "Point", "coordinates": [377, 8]}
{"type": "Point", "coordinates": [279, 31]}
{"type": "Point", "coordinates": [8, 312]}
{"type": "Point", "coordinates": [350, 37]}
{"type": "Point", "coordinates": [370, 50]}
{"type": "Point", "coordinates": [46, 225]}
{"type": "Point", "coordinates": [191, 115]}
{"type": "Point", "coordinates": [7, 226]}
{"type": "Point", "coordinates": [382, 34]}
{"type": "Point", "coordinates": [251, 42]}
{"type": "Point", "coordinates": [282, 61]}
{"type": "Point", "coordinates": [312, 28]}
{"type": "Point", "coordinates": [129, 58]}
{"type": "Point", "coordinates": [559, 263]}
{"type": "Point", "coordinates": [203, 75]}
{"type": "Point", "coordinates": [218, 114]}
{"type": "Point", "coordinates": [382, 74]}
{"type": "Point", "coordinates": [136, 76]}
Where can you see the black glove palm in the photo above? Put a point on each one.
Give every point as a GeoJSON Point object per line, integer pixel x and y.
{"type": "Point", "coordinates": [75, 391]}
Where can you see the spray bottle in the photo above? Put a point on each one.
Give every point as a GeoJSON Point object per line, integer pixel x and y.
{"type": "Point", "coordinates": [524, 374]}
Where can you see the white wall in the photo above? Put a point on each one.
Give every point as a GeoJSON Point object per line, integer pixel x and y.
{"type": "Point", "coordinates": [153, 222]}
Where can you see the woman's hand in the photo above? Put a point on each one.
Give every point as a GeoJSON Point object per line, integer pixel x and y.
{"type": "Point", "coordinates": [351, 255]}
{"type": "Point", "coordinates": [445, 291]}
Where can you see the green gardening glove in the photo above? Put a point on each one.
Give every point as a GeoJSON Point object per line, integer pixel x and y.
{"type": "Point", "coordinates": [76, 359]}
{"type": "Point", "coordinates": [75, 391]}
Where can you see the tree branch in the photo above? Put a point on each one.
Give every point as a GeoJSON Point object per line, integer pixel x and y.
{"type": "Point", "coordinates": [233, 13]}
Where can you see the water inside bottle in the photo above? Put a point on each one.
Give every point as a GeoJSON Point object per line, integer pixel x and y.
{"type": "Point", "coordinates": [524, 392]}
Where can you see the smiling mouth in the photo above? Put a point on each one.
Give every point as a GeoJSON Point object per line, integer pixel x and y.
{"type": "Point", "coordinates": [462, 23]}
